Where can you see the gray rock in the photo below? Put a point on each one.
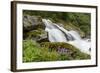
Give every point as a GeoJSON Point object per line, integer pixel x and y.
{"type": "Point", "coordinates": [43, 38]}
{"type": "Point", "coordinates": [32, 23]}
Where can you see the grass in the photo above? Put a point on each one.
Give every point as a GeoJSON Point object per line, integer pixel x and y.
{"type": "Point", "coordinates": [35, 52]}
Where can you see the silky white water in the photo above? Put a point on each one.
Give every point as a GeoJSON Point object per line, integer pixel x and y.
{"type": "Point", "coordinates": [57, 33]}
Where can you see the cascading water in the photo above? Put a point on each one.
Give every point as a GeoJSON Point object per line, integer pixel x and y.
{"type": "Point", "coordinates": [57, 33]}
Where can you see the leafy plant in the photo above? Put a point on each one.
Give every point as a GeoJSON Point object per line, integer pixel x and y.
{"type": "Point", "coordinates": [35, 52]}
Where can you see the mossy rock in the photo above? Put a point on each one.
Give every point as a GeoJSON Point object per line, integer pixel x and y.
{"type": "Point", "coordinates": [55, 45]}
{"type": "Point", "coordinates": [38, 35]}
{"type": "Point", "coordinates": [35, 33]}
{"type": "Point", "coordinates": [72, 52]}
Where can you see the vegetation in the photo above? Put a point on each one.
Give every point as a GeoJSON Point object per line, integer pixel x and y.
{"type": "Point", "coordinates": [33, 52]}
{"type": "Point", "coordinates": [34, 33]}
{"type": "Point", "coordinates": [36, 51]}
{"type": "Point", "coordinates": [77, 21]}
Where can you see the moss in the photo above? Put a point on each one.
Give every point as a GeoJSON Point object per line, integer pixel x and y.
{"type": "Point", "coordinates": [55, 45]}
{"type": "Point", "coordinates": [35, 33]}
{"type": "Point", "coordinates": [72, 52]}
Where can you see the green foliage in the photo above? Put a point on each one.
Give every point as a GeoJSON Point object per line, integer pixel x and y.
{"type": "Point", "coordinates": [79, 21]}
{"type": "Point", "coordinates": [29, 50]}
{"type": "Point", "coordinates": [46, 51]}
{"type": "Point", "coordinates": [55, 45]}
{"type": "Point", "coordinates": [35, 33]}
{"type": "Point", "coordinates": [33, 52]}
{"type": "Point", "coordinates": [72, 54]}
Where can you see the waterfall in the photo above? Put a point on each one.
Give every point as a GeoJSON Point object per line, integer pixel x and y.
{"type": "Point", "coordinates": [57, 33]}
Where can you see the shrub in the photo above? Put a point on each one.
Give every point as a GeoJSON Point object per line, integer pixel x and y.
{"type": "Point", "coordinates": [33, 52]}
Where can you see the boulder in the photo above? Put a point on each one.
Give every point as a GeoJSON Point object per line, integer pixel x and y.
{"type": "Point", "coordinates": [32, 23]}
{"type": "Point", "coordinates": [38, 35]}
